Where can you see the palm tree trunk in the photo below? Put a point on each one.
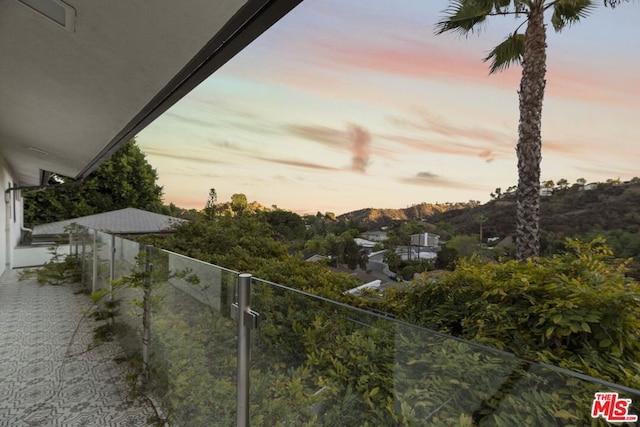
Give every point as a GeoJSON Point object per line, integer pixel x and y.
{"type": "Point", "coordinates": [529, 146]}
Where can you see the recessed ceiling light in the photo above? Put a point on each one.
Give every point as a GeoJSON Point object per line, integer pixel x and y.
{"type": "Point", "coordinates": [37, 150]}
{"type": "Point", "coordinates": [56, 10]}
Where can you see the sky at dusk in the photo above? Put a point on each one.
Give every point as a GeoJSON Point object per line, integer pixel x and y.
{"type": "Point", "coordinates": [352, 104]}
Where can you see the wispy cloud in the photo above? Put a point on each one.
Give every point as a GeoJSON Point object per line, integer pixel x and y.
{"type": "Point", "coordinates": [215, 104]}
{"type": "Point", "coordinates": [608, 172]}
{"type": "Point", "coordinates": [430, 133]}
{"type": "Point", "coordinates": [191, 120]}
{"type": "Point", "coordinates": [330, 137]}
{"type": "Point", "coordinates": [176, 156]}
{"type": "Point", "coordinates": [430, 179]}
{"type": "Point", "coordinates": [354, 139]}
{"type": "Point", "coordinates": [299, 164]}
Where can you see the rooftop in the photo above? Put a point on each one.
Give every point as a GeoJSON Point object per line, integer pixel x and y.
{"type": "Point", "coordinates": [123, 221]}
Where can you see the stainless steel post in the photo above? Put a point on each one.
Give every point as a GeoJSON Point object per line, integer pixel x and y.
{"type": "Point", "coordinates": [84, 259]}
{"type": "Point", "coordinates": [112, 264]}
{"type": "Point", "coordinates": [94, 273]}
{"type": "Point", "coordinates": [76, 231]}
{"type": "Point", "coordinates": [244, 356]}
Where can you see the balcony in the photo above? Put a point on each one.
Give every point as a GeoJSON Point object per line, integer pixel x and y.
{"type": "Point", "coordinates": [52, 374]}
{"type": "Point", "coordinates": [182, 325]}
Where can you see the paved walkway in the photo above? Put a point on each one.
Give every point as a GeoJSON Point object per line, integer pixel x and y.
{"type": "Point", "coordinates": [47, 376]}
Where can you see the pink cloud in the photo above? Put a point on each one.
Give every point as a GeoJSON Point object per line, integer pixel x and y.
{"type": "Point", "coordinates": [322, 66]}
{"type": "Point", "coordinates": [353, 139]}
{"type": "Point", "coordinates": [419, 59]}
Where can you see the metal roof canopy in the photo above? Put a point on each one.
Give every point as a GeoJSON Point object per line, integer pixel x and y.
{"type": "Point", "coordinates": [71, 94]}
{"type": "Point", "coordinates": [121, 221]}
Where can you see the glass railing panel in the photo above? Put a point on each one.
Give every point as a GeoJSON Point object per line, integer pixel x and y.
{"type": "Point", "coordinates": [438, 380]}
{"type": "Point", "coordinates": [551, 396]}
{"type": "Point", "coordinates": [87, 256]}
{"type": "Point", "coordinates": [459, 382]}
{"type": "Point", "coordinates": [192, 357]}
{"type": "Point", "coordinates": [320, 362]}
{"type": "Point", "coordinates": [127, 287]}
{"type": "Point", "coordinates": [126, 256]}
{"type": "Point", "coordinates": [103, 251]}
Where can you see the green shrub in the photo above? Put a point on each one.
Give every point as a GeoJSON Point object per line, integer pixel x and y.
{"type": "Point", "coordinates": [576, 310]}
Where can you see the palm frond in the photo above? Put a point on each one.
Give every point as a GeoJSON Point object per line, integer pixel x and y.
{"type": "Point", "coordinates": [568, 12]}
{"type": "Point", "coordinates": [463, 16]}
{"type": "Point", "coordinates": [508, 52]}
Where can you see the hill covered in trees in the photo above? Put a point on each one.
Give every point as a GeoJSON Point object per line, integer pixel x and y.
{"type": "Point", "coordinates": [376, 217]}
{"type": "Point", "coordinates": [568, 211]}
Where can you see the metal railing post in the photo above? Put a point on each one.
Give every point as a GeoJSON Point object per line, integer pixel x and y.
{"type": "Point", "coordinates": [94, 273]}
{"type": "Point", "coordinates": [112, 261]}
{"type": "Point", "coordinates": [146, 313]}
{"type": "Point", "coordinates": [84, 260]}
{"type": "Point", "coordinates": [76, 231]}
{"type": "Point", "coordinates": [246, 320]}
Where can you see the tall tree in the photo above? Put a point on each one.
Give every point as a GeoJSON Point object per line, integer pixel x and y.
{"type": "Point", "coordinates": [239, 202]}
{"type": "Point", "coordinates": [480, 219]}
{"type": "Point", "coordinates": [125, 180]}
{"type": "Point", "coordinates": [212, 201]}
{"type": "Point", "coordinates": [530, 50]}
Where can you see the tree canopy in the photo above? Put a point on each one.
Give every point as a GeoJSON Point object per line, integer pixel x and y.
{"type": "Point", "coordinates": [125, 180]}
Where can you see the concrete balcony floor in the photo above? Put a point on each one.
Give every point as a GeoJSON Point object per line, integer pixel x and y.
{"type": "Point", "coordinates": [47, 375]}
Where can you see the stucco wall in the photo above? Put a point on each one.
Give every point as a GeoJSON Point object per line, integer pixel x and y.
{"type": "Point", "coordinates": [10, 217]}
{"type": "Point", "coordinates": [35, 256]}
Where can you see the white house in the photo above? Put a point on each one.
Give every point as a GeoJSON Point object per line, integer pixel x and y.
{"type": "Point", "coordinates": [79, 79]}
{"type": "Point", "coordinates": [425, 239]}
{"type": "Point", "coordinates": [376, 236]}
{"type": "Point", "coordinates": [363, 243]}
{"type": "Point", "coordinates": [546, 192]}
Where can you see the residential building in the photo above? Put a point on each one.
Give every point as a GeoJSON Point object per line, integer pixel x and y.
{"type": "Point", "coordinates": [425, 239]}
{"type": "Point", "coordinates": [376, 236]}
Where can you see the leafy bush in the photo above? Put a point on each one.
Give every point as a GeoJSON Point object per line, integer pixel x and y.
{"type": "Point", "coordinates": [576, 310]}
{"type": "Point", "coordinates": [59, 270]}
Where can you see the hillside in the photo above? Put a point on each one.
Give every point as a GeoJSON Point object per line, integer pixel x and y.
{"type": "Point", "coordinates": [569, 212]}
{"type": "Point", "coordinates": [375, 217]}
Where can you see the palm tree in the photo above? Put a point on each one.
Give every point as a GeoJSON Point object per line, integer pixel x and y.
{"type": "Point", "coordinates": [530, 50]}
{"type": "Point", "coordinates": [480, 219]}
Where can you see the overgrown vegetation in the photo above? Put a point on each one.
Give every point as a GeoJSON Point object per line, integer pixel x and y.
{"type": "Point", "coordinates": [317, 362]}
{"type": "Point", "coordinates": [60, 269]}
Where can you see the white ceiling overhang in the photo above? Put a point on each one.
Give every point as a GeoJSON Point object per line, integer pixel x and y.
{"type": "Point", "coordinates": [70, 96]}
